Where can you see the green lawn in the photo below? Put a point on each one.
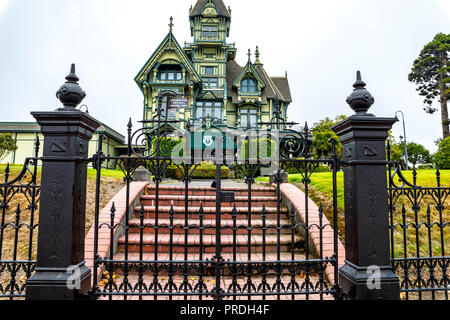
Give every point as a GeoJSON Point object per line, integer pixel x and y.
{"type": "Point", "coordinates": [15, 169]}
{"type": "Point", "coordinates": [323, 181]}
{"type": "Point", "coordinates": [323, 189]}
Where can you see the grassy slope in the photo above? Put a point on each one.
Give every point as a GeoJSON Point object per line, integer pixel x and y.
{"type": "Point", "coordinates": [323, 189]}
{"type": "Point", "coordinates": [111, 183]}
{"type": "Point", "coordinates": [323, 181]}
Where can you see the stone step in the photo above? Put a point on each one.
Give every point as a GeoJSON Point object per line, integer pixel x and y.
{"type": "Point", "coordinates": [207, 201]}
{"type": "Point", "coordinates": [209, 212]}
{"type": "Point", "coordinates": [209, 243]}
{"type": "Point", "coordinates": [206, 191]}
{"type": "Point", "coordinates": [209, 226]}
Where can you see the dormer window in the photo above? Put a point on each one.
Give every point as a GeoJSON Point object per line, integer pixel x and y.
{"type": "Point", "coordinates": [170, 73]}
{"type": "Point", "coordinates": [248, 85]}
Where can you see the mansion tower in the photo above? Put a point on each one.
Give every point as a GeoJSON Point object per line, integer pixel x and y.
{"type": "Point", "coordinates": [203, 82]}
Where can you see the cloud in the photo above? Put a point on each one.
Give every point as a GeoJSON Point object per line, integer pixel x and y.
{"type": "Point", "coordinates": [445, 6]}
{"type": "Point", "coordinates": [3, 6]}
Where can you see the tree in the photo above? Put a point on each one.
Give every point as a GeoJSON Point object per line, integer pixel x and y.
{"type": "Point", "coordinates": [7, 144]}
{"type": "Point", "coordinates": [417, 153]}
{"type": "Point", "coordinates": [397, 150]}
{"type": "Point", "coordinates": [322, 134]}
{"type": "Point", "coordinates": [431, 73]}
{"type": "Point", "coordinates": [442, 156]}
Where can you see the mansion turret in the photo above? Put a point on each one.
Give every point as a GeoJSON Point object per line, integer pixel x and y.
{"type": "Point", "coordinates": [203, 81]}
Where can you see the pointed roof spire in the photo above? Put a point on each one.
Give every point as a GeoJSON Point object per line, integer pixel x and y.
{"type": "Point", "coordinates": [249, 55]}
{"type": "Point", "coordinates": [257, 55]}
{"type": "Point", "coordinates": [171, 24]}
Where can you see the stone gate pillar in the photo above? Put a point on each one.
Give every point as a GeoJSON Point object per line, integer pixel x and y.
{"type": "Point", "coordinates": [367, 273]}
{"type": "Point", "coordinates": [61, 273]}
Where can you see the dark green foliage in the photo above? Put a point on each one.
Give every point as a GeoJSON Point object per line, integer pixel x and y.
{"type": "Point", "coordinates": [418, 154]}
{"type": "Point", "coordinates": [431, 74]}
{"type": "Point", "coordinates": [166, 146]}
{"type": "Point", "coordinates": [261, 148]}
{"type": "Point", "coordinates": [204, 171]}
{"type": "Point", "coordinates": [320, 168]}
{"type": "Point", "coordinates": [7, 145]}
{"type": "Point", "coordinates": [442, 156]}
{"type": "Point", "coordinates": [322, 134]}
{"type": "Point", "coordinates": [397, 150]}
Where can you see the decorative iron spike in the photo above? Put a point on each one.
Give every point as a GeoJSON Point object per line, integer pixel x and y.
{"type": "Point", "coordinates": [7, 170]}
{"type": "Point", "coordinates": [306, 128]}
{"type": "Point", "coordinates": [130, 124]}
{"type": "Point", "coordinates": [113, 208]}
{"type": "Point", "coordinates": [72, 77]}
{"type": "Point", "coordinates": [18, 212]}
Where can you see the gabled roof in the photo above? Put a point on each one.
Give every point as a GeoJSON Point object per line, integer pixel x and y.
{"type": "Point", "coordinates": [249, 69]}
{"type": "Point", "coordinates": [171, 41]}
{"type": "Point", "coordinates": [220, 6]}
{"type": "Point", "coordinates": [282, 84]}
{"type": "Point", "coordinates": [274, 86]}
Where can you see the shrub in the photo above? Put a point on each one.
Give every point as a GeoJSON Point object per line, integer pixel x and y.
{"type": "Point", "coordinates": [320, 168]}
{"type": "Point", "coordinates": [166, 146]}
{"type": "Point", "coordinates": [442, 156]}
{"type": "Point", "coordinates": [261, 148]}
{"type": "Point", "coordinates": [203, 171]}
{"type": "Point", "coordinates": [7, 144]}
{"type": "Point", "coordinates": [426, 166]}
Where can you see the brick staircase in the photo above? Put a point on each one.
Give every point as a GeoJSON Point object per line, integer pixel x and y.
{"type": "Point", "coordinates": [206, 197]}
{"type": "Point", "coordinates": [263, 245]}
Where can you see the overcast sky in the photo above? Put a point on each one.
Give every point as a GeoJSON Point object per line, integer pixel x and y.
{"type": "Point", "coordinates": [320, 43]}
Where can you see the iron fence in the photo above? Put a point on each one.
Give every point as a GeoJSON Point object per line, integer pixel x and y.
{"type": "Point", "coordinates": [19, 200]}
{"type": "Point", "coordinates": [419, 234]}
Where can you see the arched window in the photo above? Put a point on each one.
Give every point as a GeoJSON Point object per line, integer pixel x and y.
{"type": "Point", "coordinates": [248, 85]}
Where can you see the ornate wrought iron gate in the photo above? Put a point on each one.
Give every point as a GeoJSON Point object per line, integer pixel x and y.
{"type": "Point", "coordinates": [281, 268]}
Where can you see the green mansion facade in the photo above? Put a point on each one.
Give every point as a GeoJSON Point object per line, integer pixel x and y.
{"type": "Point", "coordinates": [202, 81]}
{"type": "Point", "coordinates": [199, 83]}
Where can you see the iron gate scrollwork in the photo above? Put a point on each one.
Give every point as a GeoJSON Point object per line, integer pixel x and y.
{"type": "Point", "coordinates": [198, 245]}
